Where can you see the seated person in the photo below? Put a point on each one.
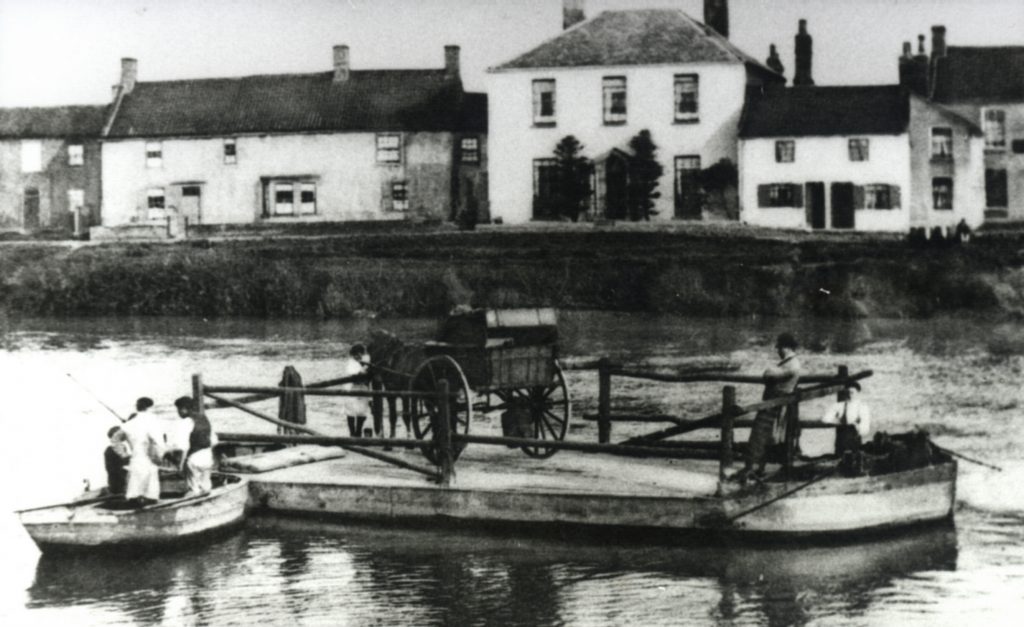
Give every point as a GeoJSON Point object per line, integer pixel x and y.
{"type": "Point", "coordinates": [115, 458]}
{"type": "Point", "coordinates": [853, 424]}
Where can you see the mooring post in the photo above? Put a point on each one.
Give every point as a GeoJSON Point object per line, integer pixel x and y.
{"type": "Point", "coordinates": [844, 376]}
{"type": "Point", "coordinates": [792, 433]}
{"type": "Point", "coordinates": [443, 434]}
{"type": "Point", "coordinates": [197, 394]}
{"type": "Point", "coordinates": [377, 405]}
{"type": "Point", "coordinates": [728, 416]}
{"type": "Point", "coordinates": [604, 401]}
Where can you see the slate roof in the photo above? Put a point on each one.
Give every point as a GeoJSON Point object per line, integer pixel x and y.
{"type": "Point", "coordinates": [824, 111]}
{"type": "Point", "coordinates": [646, 37]}
{"type": "Point", "coordinates": [82, 121]}
{"type": "Point", "coordinates": [474, 113]}
{"type": "Point", "coordinates": [370, 100]}
{"type": "Point", "coordinates": [981, 74]}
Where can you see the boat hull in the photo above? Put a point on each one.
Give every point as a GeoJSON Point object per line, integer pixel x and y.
{"type": "Point", "coordinates": [91, 526]}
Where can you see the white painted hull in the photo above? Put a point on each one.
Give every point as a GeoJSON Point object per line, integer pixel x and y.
{"type": "Point", "coordinates": [84, 526]}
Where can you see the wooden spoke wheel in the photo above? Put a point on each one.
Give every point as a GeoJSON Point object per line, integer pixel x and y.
{"type": "Point", "coordinates": [426, 413]}
{"type": "Point", "coordinates": [549, 409]}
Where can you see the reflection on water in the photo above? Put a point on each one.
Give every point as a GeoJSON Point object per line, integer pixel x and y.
{"type": "Point", "coordinates": [296, 570]}
{"type": "Point", "coordinates": [960, 381]}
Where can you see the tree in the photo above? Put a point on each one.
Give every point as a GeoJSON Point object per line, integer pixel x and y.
{"type": "Point", "coordinates": [644, 172]}
{"type": "Point", "coordinates": [718, 184]}
{"type": "Point", "coordinates": [573, 189]}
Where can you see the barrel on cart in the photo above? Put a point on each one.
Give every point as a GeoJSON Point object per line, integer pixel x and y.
{"type": "Point", "coordinates": [509, 357]}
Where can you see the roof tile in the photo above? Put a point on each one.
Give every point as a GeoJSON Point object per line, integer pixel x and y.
{"type": "Point", "coordinates": [70, 121]}
{"type": "Point", "coordinates": [824, 111]}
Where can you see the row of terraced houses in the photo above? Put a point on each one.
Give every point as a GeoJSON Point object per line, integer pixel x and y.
{"type": "Point", "coordinates": [944, 145]}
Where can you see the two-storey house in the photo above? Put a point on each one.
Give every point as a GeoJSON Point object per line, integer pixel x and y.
{"type": "Point", "coordinates": [604, 80]}
{"type": "Point", "coordinates": [50, 168]}
{"type": "Point", "coordinates": [329, 146]}
{"type": "Point", "coordinates": [870, 158]}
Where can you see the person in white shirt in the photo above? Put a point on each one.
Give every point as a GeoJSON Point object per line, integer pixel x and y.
{"type": "Point", "coordinates": [356, 407]}
{"type": "Point", "coordinates": [145, 436]}
{"type": "Point", "coordinates": [852, 419]}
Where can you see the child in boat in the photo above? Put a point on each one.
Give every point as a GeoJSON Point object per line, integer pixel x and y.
{"type": "Point", "coordinates": [114, 458]}
{"type": "Point", "coordinates": [199, 462]}
{"type": "Point", "coordinates": [357, 363]}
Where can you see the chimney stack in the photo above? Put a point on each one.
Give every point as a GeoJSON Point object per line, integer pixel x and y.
{"type": "Point", "coordinates": [341, 64]}
{"type": "Point", "coordinates": [804, 51]}
{"type": "Point", "coordinates": [129, 74]}
{"type": "Point", "coordinates": [914, 69]}
{"type": "Point", "coordinates": [451, 61]}
{"type": "Point", "coordinates": [716, 15]}
{"type": "Point", "coordinates": [572, 13]}
{"type": "Point", "coordinates": [938, 42]}
{"type": "Point", "coordinates": [774, 62]}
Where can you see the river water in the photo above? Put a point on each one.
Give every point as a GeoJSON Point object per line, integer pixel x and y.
{"type": "Point", "coordinates": [960, 380]}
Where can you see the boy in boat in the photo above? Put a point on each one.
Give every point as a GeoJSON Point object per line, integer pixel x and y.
{"type": "Point", "coordinates": [853, 423]}
{"type": "Point", "coordinates": [356, 407]}
{"type": "Point", "coordinates": [199, 462]}
{"type": "Point", "coordinates": [769, 424]}
{"type": "Point", "coordinates": [114, 458]}
{"type": "Point", "coordinates": [145, 437]}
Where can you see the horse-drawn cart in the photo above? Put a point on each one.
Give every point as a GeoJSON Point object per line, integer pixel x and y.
{"type": "Point", "coordinates": [509, 358]}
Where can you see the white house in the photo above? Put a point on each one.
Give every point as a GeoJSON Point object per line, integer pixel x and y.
{"type": "Point", "coordinates": [603, 81]}
{"type": "Point", "coordinates": [329, 146]}
{"type": "Point", "coordinates": [848, 158]}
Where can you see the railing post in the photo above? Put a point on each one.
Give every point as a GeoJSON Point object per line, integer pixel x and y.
{"type": "Point", "coordinates": [377, 406]}
{"type": "Point", "coordinates": [792, 432]}
{"type": "Point", "coordinates": [197, 394]}
{"type": "Point", "coordinates": [604, 401]}
{"type": "Point", "coordinates": [728, 416]}
{"type": "Point", "coordinates": [844, 375]}
{"type": "Point", "coordinates": [443, 434]}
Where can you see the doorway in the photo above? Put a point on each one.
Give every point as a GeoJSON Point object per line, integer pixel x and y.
{"type": "Point", "coordinates": [815, 194]}
{"type": "Point", "coordinates": [192, 203]}
{"type": "Point", "coordinates": [842, 206]}
{"type": "Point", "coordinates": [687, 188]}
{"type": "Point", "coordinates": [30, 215]}
{"type": "Point", "coordinates": [616, 179]}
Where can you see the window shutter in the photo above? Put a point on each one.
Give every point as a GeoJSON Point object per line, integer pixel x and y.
{"type": "Point", "coordinates": [858, 196]}
{"type": "Point", "coordinates": [762, 196]}
{"type": "Point", "coordinates": [798, 195]}
{"type": "Point", "coordinates": [894, 197]}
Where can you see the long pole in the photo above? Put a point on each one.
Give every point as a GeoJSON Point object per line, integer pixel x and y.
{"type": "Point", "coordinates": [95, 398]}
{"type": "Point", "coordinates": [966, 458]}
{"type": "Point", "coordinates": [785, 494]}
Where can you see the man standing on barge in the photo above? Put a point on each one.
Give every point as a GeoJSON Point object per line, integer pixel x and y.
{"type": "Point", "coordinates": [770, 424]}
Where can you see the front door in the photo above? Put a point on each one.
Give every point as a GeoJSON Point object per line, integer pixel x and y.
{"type": "Point", "coordinates": [616, 191]}
{"type": "Point", "coordinates": [842, 205]}
{"type": "Point", "coordinates": [30, 216]}
{"type": "Point", "coordinates": [816, 205]}
{"type": "Point", "coordinates": [688, 205]}
{"type": "Point", "coordinates": [191, 203]}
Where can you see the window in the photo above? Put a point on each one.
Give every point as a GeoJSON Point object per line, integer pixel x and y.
{"type": "Point", "coordinates": [544, 102]}
{"type": "Point", "coordinates": [995, 188]}
{"type": "Point", "coordinates": [1018, 146]}
{"type": "Point", "coordinates": [155, 203]}
{"type": "Point", "coordinates": [76, 200]}
{"type": "Point", "coordinates": [881, 196]}
{"type": "Point", "coordinates": [230, 151]}
{"type": "Point", "coordinates": [994, 126]}
{"type": "Point", "coordinates": [76, 154]}
{"type": "Point", "coordinates": [469, 150]}
{"type": "Point", "coordinates": [942, 192]}
{"type": "Point", "coordinates": [545, 188]}
{"type": "Point", "coordinates": [307, 199]}
{"type": "Point", "coordinates": [284, 199]}
{"type": "Point", "coordinates": [154, 154]}
{"type": "Point", "coordinates": [942, 143]}
{"type": "Point", "coordinates": [858, 150]}
{"type": "Point", "coordinates": [31, 156]}
{"type": "Point", "coordinates": [780, 195]}
{"type": "Point", "coordinates": [613, 91]}
{"type": "Point", "coordinates": [785, 151]}
{"type": "Point", "coordinates": [686, 105]}
{"type": "Point", "coordinates": [389, 148]}
{"type": "Point", "coordinates": [400, 195]}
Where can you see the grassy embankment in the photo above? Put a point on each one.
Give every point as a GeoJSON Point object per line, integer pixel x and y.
{"type": "Point", "coordinates": [693, 271]}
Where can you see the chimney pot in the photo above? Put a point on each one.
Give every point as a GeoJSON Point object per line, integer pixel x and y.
{"type": "Point", "coordinates": [920, 45]}
{"type": "Point", "coordinates": [572, 13]}
{"type": "Point", "coordinates": [774, 62]}
{"type": "Point", "coordinates": [907, 50]}
{"type": "Point", "coordinates": [938, 41]}
{"type": "Point", "coordinates": [451, 61]}
{"type": "Point", "coordinates": [341, 64]}
{"type": "Point", "coordinates": [716, 15]}
{"type": "Point", "coordinates": [129, 74]}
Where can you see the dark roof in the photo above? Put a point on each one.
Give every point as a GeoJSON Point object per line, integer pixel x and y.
{"type": "Point", "coordinates": [634, 38]}
{"type": "Point", "coordinates": [72, 121]}
{"type": "Point", "coordinates": [474, 113]}
{"type": "Point", "coordinates": [822, 111]}
{"type": "Point", "coordinates": [982, 74]}
{"type": "Point", "coordinates": [370, 100]}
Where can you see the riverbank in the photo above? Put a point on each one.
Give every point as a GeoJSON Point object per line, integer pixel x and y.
{"type": "Point", "coordinates": [696, 270]}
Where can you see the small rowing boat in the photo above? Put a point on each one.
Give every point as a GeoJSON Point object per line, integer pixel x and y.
{"type": "Point", "coordinates": [97, 522]}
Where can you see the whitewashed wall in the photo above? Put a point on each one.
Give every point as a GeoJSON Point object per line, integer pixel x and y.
{"type": "Point", "coordinates": [350, 182]}
{"type": "Point", "coordinates": [514, 141]}
{"type": "Point", "coordinates": [825, 160]}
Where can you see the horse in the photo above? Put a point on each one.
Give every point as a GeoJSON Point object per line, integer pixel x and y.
{"type": "Point", "coordinates": [393, 363]}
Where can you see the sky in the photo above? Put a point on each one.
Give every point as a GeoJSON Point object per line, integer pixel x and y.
{"type": "Point", "coordinates": [55, 52]}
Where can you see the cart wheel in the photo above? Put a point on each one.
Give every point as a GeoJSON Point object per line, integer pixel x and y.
{"type": "Point", "coordinates": [550, 409]}
{"type": "Point", "coordinates": [425, 411]}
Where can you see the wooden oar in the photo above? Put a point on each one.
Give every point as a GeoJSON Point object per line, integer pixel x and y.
{"type": "Point", "coordinates": [785, 494]}
{"type": "Point", "coordinates": [966, 458]}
